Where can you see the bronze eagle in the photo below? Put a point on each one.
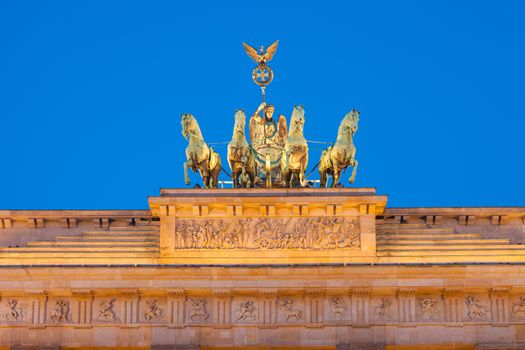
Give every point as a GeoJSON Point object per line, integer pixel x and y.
{"type": "Point", "coordinates": [264, 55]}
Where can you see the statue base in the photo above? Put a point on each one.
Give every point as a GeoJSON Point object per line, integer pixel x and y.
{"type": "Point", "coordinates": [267, 226]}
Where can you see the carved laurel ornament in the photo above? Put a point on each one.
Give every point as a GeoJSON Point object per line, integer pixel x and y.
{"type": "Point", "coordinates": [263, 233]}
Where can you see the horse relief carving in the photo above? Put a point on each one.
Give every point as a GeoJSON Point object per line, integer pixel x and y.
{"type": "Point", "coordinates": [263, 233]}
{"type": "Point", "coordinates": [106, 312]}
{"type": "Point", "coordinates": [15, 312]}
{"type": "Point", "coordinates": [338, 307]}
{"type": "Point", "coordinates": [475, 310]}
{"type": "Point", "coordinates": [429, 311]}
{"type": "Point", "coordinates": [518, 309]}
{"type": "Point", "coordinates": [384, 311]}
{"type": "Point", "coordinates": [198, 310]}
{"type": "Point", "coordinates": [61, 312]}
{"type": "Point", "coordinates": [153, 311]}
{"type": "Point", "coordinates": [288, 310]}
{"type": "Point", "coordinates": [246, 311]}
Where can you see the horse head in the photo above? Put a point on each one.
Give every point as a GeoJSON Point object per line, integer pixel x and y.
{"type": "Point", "coordinates": [189, 125]}
{"type": "Point", "coordinates": [297, 119]}
{"type": "Point", "coordinates": [240, 121]}
{"type": "Point", "coordinates": [349, 123]}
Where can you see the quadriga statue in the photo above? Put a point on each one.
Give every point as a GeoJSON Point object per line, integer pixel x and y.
{"type": "Point", "coordinates": [241, 156]}
{"type": "Point", "coordinates": [199, 156]}
{"type": "Point", "coordinates": [341, 155]}
{"type": "Point", "coordinates": [295, 153]}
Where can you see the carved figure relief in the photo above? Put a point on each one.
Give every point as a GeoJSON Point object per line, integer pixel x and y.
{"type": "Point", "coordinates": [61, 312]}
{"type": "Point", "coordinates": [384, 310]}
{"type": "Point", "coordinates": [246, 311]}
{"type": "Point", "coordinates": [15, 312]}
{"type": "Point", "coordinates": [518, 309]}
{"type": "Point", "coordinates": [429, 311]}
{"type": "Point", "coordinates": [264, 233]}
{"type": "Point", "coordinates": [198, 310]}
{"type": "Point", "coordinates": [153, 311]}
{"type": "Point", "coordinates": [338, 307]}
{"type": "Point", "coordinates": [475, 310]}
{"type": "Point", "coordinates": [287, 308]}
{"type": "Point", "coordinates": [105, 310]}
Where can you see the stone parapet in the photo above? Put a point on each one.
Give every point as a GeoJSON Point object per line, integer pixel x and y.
{"type": "Point", "coordinates": [280, 226]}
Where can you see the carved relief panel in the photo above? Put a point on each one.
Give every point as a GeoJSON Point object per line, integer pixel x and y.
{"type": "Point", "coordinates": [338, 308]}
{"type": "Point", "coordinates": [430, 308]}
{"type": "Point", "coordinates": [106, 310]}
{"type": "Point", "coordinates": [198, 309]}
{"type": "Point", "coordinates": [384, 309]}
{"type": "Point", "coordinates": [290, 309]}
{"type": "Point", "coordinates": [15, 310]}
{"type": "Point", "coordinates": [60, 311]}
{"type": "Point", "coordinates": [265, 233]}
{"type": "Point", "coordinates": [245, 310]}
{"type": "Point", "coordinates": [153, 309]}
{"type": "Point", "coordinates": [476, 308]}
{"type": "Point", "coordinates": [517, 311]}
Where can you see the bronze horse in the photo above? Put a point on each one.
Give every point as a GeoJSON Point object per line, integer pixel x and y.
{"type": "Point", "coordinates": [241, 156]}
{"type": "Point", "coordinates": [295, 153]}
{"type": "Point", "coordinates": [341, 155]}
{"type": "Point", "coordinates": [199, 156]}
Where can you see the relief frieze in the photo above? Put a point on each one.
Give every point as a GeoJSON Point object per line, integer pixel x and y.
{"type": "Point", "coordinates": [268, 233]}
{"type": "Point", "coordinates": [15, 311]}
{"type": "Point", "coordinates": [106, 311]}
{"type": "Point", "coordinates": [518, 308]}
{"type": "Point", "coordinates": [338, 307]}
{"type": "Point", "coordinates": [246, 311]}
{"type": "Point", "coordinates": [61, 312]}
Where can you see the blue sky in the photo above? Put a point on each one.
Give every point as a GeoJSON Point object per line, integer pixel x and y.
{"type": "Point", "coordinates": [91, 94]}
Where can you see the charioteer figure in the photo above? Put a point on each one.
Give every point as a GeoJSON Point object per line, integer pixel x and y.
{"type": "Point", "coordinates": [264, 129]}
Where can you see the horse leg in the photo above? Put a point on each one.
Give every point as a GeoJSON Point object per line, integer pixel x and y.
{"type": "Point", "coordinates": [286, 178]}
{"type": "Point", "coordinates": [335, 177]}
{"type": "Point", "coordinates": [205, 174]}
{"type": "Point", "coordinates": [301, 177]}
{"type": "Point", "coordinates": [234, 174]}
{"type": "Point", "coordinates": [186, 175]}
{"type": "Point", "coordinates": [235, 178]}
{"type": "Point", "coordinates": [323, 176]}
{"type": "Point", "coordinates": [215, 177]}
{"type": "Point", "coordinates": [354, 170]}
{"type": "Point", "coordinates": [296, 179]}
{"type": "Point", "coordinates": [322, 179]}
{"type": "Point", "coordinates": [251, 175]}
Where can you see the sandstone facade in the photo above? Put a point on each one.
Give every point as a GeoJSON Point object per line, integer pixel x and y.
{"type": "Point", "coordinates": [310, 268]}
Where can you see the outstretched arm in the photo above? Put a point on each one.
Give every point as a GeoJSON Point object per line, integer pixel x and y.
{"type": "Point", "coordinates": [260, 108]}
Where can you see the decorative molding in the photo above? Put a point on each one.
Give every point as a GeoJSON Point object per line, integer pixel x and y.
{"type": "Point", "coordinates": [452, 292]}
{"type": "Point", "coordinates": [177, 292]}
